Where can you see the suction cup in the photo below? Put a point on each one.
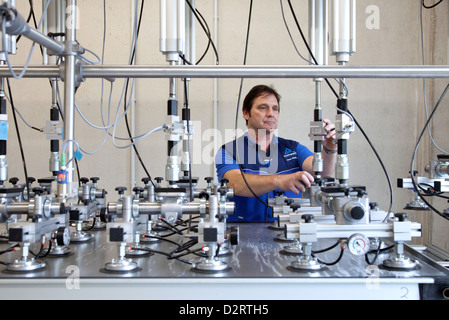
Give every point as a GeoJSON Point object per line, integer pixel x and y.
{"type": "Point", "coordinates": [400, 263]}
{"type": "Point", "coordinates": [417, 205]}
{"type": "Point", "coordinates": [120, 265]}
{"type": "Point", "coordinates": [210, 266]}
{"type": "Point", "coordinates": [293, 249]}
{"type": "Point", "coordinates": [26, 265]}
{"type": "Point", "coordinates": [306, 264]}
{"type": "Point", "coordinates": [135, 252]}
{"type": "Point", "coordinates": [59, 251]}
{"type": "Point", "coordinates": [80, 236]}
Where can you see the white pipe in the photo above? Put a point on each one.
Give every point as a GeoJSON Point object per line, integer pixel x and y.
{"type": "Point", "coordinates": [133, 104]}
{"type": "Point", "coordinates": [69, 87]}
{"type": "Point", "coordinates": [214, 172]}
{"type": "Point", "coordinates": [238, 71]}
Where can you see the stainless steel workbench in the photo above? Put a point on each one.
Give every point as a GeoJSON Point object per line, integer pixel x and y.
{"type": "Point", "coordinates": [258, 271]}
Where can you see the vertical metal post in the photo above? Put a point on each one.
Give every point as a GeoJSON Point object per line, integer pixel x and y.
{"type": "Point", "coordinates": [318, 30]}
{"type": "Point", "coordinates": [69, 84]}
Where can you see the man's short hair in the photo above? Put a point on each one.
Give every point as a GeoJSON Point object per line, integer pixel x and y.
{"type": "Point", "coordinates": [254, 93]}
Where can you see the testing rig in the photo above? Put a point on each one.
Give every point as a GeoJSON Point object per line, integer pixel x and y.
{"type": "Point", "coordinates": [332, 210]}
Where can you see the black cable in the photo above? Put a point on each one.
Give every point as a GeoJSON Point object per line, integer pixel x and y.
{"type": "Point", "coordinates": [430, 191]}
{"type": "Point", "coordinates": [185, 246]}
{"type": "Point", "coordinates": [40, 251]}
{"type": "Point", "coordinates": [10, 249]}
{"type": "Point", "coordinates": [28, 18]}
{"type": "Point", "coordinates": [162, 253]}
{"type": "Point", "coordinates": [390, 185]}
{"type": "Point", "coordinates": [162, 238]}
{"type": "Point", "coordinates": [357, 124]}
{"type": "Point", "coordinates": [237, 117]}
{"type": "Point", "coordinates": [25, 170]}
{"type": "Point", "coordinates": [383, 249]}
{"type": "Point", "coordinates": [376, 253]}
{"type": "Point", "coordinates": [445, 216]}
{"type": "Point", "coordinates": [355, 120]}
{"type": "Point", "coordinates": [170, 226]}
{"type": "Point", "coordinates": [32, 15]}
{"type": "Point", "coordinates": [342, 251]}
{"type": "Point", "coordinates": [327, 249]}
{"type": "Point", "coordinates": [126, 97]}
{"type": "Point", "coordinates": [206, 31]}
{"type": "Point", "coordinates": [186, 106]}
{"type": "Point", "coordinates": [431, 6]}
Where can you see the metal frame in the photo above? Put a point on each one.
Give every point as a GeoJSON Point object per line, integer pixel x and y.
{"type": "Point", "coordinates": [234, 71]}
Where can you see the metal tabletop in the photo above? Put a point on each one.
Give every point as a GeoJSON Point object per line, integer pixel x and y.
{"type": "Point", "coordinates": [258, 270]}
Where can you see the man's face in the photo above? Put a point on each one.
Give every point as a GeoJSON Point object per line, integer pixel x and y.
{"type": "Point", "coordinates": [264, 113]}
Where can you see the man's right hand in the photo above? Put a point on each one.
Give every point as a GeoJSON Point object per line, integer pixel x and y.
{"type": "Point", "coordinates": [295, 182]}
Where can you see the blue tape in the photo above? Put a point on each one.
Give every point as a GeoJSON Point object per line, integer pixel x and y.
{"type": "Point", "coordinates": [3, 130]}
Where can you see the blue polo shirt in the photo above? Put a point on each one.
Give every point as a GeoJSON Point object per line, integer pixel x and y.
{"type": "Point", "coordinates": [283, 157]}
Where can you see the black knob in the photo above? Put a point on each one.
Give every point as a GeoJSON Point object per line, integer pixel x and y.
{"type": "Point", "coordinates": [401, 216]}
{"type": "Point", "coordinates": [348, 190]}
{"type": "Point", "coordinates": [138, 190]}
{"type": "Point", "coordinates": [373, 205]}
{"type": "Point", "coordinates": [357, 213]}
{"type": "Point", "coordinates": [103, 215]}
{"type": "Point", "coordinates": [84, 180]}
{"type": "Point", "coordinates": [121, 190]}
{"type": "Point", "coordinates": [279, 193]}
{"type": "Point", "coordinates": [209, 179]}
{"type": "Point", "coordinates": [94, 179]}
{"type": "Point", "coordinates": [38, 190]}
{"type": "Point", "coordinates": [295, 206]}
{"type": "Point", "coordinates": [31, 180]}
{"type": "Point", "coordinates": [158, 179]}
{"type": "Point", "coordinates": [308, 217]}
{"type": "Point", "coordinates": [288, 201]}
{"type": "Point", "coordinates": [145, 180]}
{"type": "Point", "coordinates": [222, 191]}
{"type": "Point", "coordinates": [204, 195]}
{"type": "Point", "coordinates": [361, 192]}
{"type": "Point", "coordinates": [14, 180]}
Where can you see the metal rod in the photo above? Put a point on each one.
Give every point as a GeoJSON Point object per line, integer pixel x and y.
{"type": "Point", "coordinates": [69, 86]}
{"type": "Point", "coordinates": [266, 72]}
{"type": "Point", "coordinates": [147, 71]}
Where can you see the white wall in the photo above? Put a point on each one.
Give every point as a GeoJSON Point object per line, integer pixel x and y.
{"type": "Point", "coordinates": [389, 110]}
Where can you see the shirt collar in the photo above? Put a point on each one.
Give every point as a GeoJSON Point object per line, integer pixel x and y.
{"type": "Point", "coordinates": [252, 143]}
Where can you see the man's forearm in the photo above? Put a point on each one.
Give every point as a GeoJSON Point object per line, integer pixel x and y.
{"type": "Point", "coordinates": [260, 184]}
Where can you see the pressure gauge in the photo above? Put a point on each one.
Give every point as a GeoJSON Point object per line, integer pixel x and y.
{"type": "Point", "coordinates": [358, 244]}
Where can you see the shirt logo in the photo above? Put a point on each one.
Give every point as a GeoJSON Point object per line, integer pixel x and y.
{"type": "Point", "coordinates": [289, 154]}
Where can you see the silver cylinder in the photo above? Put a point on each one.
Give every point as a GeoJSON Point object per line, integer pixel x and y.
{"type": "Point", "coordinates": [127, 208]}
{"type": "Point", "coordinates": [69, 86]}
{"type": "Point", "coordinates": [54, 22]}
{"type": "Point", "coordinates": [342, 168]}
{"type": "Point", "coordinates": [3, 169]}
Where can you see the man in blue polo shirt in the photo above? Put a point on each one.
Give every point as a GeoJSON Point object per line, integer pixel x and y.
{"type": "Point", "coordinates": [269, 163]}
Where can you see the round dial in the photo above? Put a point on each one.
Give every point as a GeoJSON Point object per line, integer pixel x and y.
{"type": "Point", "coordinates": [358, 244]}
